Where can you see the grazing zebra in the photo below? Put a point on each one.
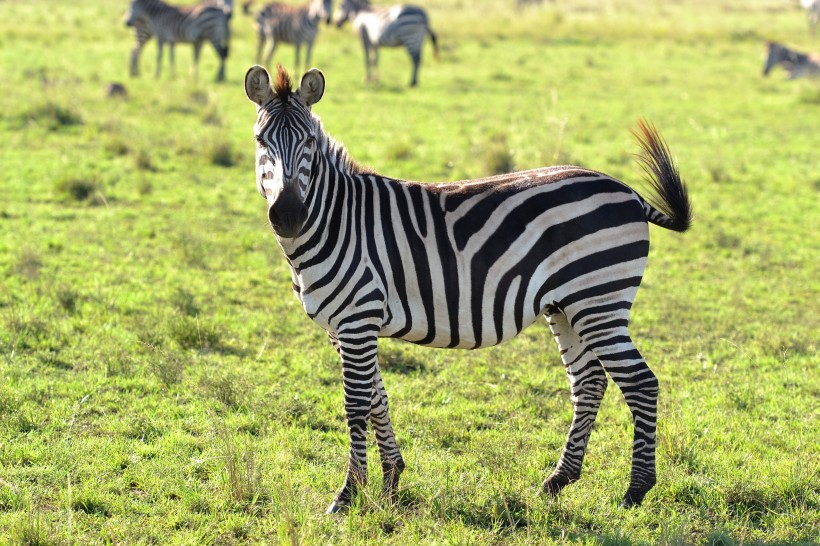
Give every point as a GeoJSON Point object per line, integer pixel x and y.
{"type": "Point", "coordinates": [170, 24]}
{"type": "Point", "coordinates": [291, 25]}
{"type": "Point", "coordinates": [797, 64]}
{"type": "Point", "coordinates": [393, 26]}
{"type": "Point", "coordinates": [466, 264]}
{"type": "Point", "coordinates": [812, 8]}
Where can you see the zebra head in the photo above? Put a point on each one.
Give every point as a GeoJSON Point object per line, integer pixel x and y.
{"type": "Point", "coordinates": [320, 10]}
{"type": "Point", "coordinates": [135, 11]}
{"type": "Point", "coordinates": [349, 9]}
{"type": "Point", "coordinates": [778, 54]}
{"type": "Point", "coordinates": [286, 133]}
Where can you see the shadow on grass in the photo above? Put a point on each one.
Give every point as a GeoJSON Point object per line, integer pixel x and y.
{"type": "Point", "coordinates": [399, 362]}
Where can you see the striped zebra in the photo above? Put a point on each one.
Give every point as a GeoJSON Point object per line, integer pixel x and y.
{"type": "Point", "coordinates": [466, 264]}
{"type": "Point", "coordinates": [393, 26]}
{"type": "Point", "coordinates": [295, 25]}
{"type": "Point", "coordinates": [812, 8]}
{"type": "Point", "coordinates": [170, 24]}
{"type": "Point", "coordinates": [225, 5]}
{"type": "Point", "coordinates": [797, 64]}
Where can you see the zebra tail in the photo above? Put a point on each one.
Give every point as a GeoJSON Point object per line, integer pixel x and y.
{"type": "Point", "coordinates": [670, 207]}
{"type": "Point", "coordinates": [434, 39]}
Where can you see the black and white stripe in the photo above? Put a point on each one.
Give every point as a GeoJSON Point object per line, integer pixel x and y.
{"type": "Point", "coordinates": [295, 25]}
{"type": "Point", "coordinates": [171, 25]}
{"type": "Point", "coordinates": [393, 26]}
{"type": "Point", "coordinates": [466, 264]}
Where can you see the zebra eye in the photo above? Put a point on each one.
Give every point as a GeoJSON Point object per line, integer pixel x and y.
{"type": "Point", "coordinates": [260, 140]}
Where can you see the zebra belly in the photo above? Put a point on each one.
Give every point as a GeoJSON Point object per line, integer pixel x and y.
{"type": "Point", "coordinates": [465, 335]}
{"type": "Point", "coordinates": [495, 278]}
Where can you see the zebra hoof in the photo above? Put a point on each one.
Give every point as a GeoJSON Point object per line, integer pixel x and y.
{"type": "Point", "coordinates": [633, 498]}
{"type": "Point", "coordinates": [555, 483]}
{"type": "Point", "coordinates": [336, 507]}
{"type": "Point", "coordinates": [342, 500]}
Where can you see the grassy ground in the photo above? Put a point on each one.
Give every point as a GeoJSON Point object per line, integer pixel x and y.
{"type": "Point", "coordinates": [159, 383]}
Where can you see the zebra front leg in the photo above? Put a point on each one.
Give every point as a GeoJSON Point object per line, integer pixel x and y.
{"type": "Point", "coordinates": [308, 54]}
{"type": "Point", "coordinates": [358, 354]}
{"type": "Point", "coordinates": [298, 48]}
{"type": "Point", "coordinates": [160, 45]}
{"type": "Point", "coordinates": [587, 384]}
{"type": "Point", "coordinates": [366, 46]}
{"type": "Point", "coordinates": [392, 463]}
{"type": "Point", "coordinates": [171, 60]}
{"type": "Point", "coordinates": [135, 58]}
{"type": "Point", "coordinates": [259, 48]}
{"type": "Point", "coordinates": [270, 52]}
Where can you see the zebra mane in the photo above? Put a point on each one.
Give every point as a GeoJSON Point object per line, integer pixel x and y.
{"type": "Point", "coordinates": [337, 154]}
{"type": "Point", "coordinates": [282, 85]}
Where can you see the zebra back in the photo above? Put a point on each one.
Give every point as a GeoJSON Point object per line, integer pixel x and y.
{"type": "Point", "coordinates": [179, 24]}
{"type": "Point", "coordinates": [292, 24]}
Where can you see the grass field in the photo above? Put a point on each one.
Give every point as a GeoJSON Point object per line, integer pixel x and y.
{"type": "Point", "coordinates": [159, 383]}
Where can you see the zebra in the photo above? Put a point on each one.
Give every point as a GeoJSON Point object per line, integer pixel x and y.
{"type": "Point", "coordinates": [225, 5]}
{"type": "Point", "coordinates": [796, 63]}
{"type": "Point", "coordinates": [289, 24]}
{"type": "Point", "coordinates": [393, 26]}
{"type": "Point", "coordinates": [812, 8]}
{"type": "Point", "coordinates": [463, 265]}
{"type": "Point", "coordinates": [170, 24]}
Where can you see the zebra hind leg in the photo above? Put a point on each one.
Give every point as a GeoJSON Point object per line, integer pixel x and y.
{"type": "Point", "coordinates": [608, 337]}
{"type": "Point", "coordinates": [221, 49]}
{"type": "Point", "coordinates": [416, 58]}
{"type": "Point", "coordinates": [392, 463]}
{"type": "Point", "coordinates": [587, 383]}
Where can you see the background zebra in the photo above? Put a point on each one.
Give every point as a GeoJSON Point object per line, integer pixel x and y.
{"type": "Point", "coordinates": [170, 24]}
{"type": "Point", "coordinates": [466, 264]}
{"type": "Point", "coordinates": [812, 8]}
{"type": "Point", "coordinates": [225, 5]}
{"type": "Point", "coordinates": [291, 25]}
{"type": "Point", "coordinates": [393, 26]}
{"type": "Point", "coordinates": [796, 63]}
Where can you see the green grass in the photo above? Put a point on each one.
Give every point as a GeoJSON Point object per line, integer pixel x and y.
{"type": "Point", "coordinates": [159, 382]}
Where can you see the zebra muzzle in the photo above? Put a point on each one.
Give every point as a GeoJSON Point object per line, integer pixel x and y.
{"type": "Point", "coordinates": [287, 214]}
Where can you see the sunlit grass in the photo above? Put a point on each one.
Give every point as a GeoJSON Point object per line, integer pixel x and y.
{"type": "Point", "coordinates": [161, 384]}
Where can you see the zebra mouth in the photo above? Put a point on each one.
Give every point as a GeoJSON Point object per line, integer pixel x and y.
{"type": "Point", "coordinates": [288, 223]}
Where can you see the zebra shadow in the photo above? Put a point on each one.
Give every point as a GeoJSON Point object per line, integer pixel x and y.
{"type": "Point", "coordinates": [397, 360]}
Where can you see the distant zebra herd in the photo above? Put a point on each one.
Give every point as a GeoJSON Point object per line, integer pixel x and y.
{"type": "Point", "coordinates": [404, 26]}
{"type": "Point", "coordinates": [394, 26]}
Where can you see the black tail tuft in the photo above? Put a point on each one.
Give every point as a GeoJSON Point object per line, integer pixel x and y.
{"type": "Point", "coordinates": [672, 198]}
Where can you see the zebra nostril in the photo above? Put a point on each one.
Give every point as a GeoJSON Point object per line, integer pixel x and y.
{"type": "Point", "coordinates": [273, 216]}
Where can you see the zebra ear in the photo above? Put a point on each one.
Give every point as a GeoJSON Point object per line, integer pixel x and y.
{"type": "Point", "coordinates": [257, 85]}
{"type": "Point", "coordinates": [312, 86]}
